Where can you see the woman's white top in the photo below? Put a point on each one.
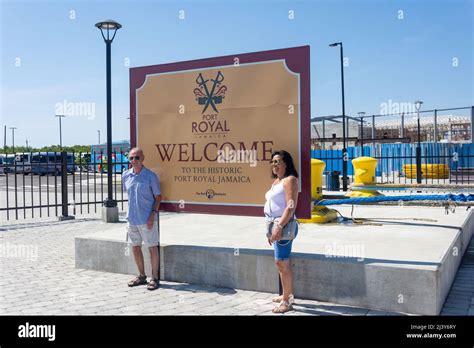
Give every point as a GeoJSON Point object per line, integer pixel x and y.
{"type": "Point", "coordinates": [276, 202]}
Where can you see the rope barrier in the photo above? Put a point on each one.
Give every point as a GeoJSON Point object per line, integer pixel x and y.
{"type": "Point", "coordinates": [361, 200]}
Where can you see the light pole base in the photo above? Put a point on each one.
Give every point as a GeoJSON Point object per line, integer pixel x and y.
{"type": "Point", "coordinates": [110, 214]}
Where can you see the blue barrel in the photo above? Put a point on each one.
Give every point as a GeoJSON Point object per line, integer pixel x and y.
{"type": "Point", "coordinates": [332, 180]}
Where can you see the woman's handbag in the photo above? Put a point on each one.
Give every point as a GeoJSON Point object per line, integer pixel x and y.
{"type": "Point", "coordinates": [289, 230]}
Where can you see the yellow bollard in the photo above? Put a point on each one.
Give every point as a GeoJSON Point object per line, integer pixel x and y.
{"type": "Point", "coordinates": [319, 214]}
{"type": "Point", "coordinates": [364, 170]}
{"type": "Point", "coordinates": [364, 173]}
{"type": "Point", "coordinates": [317, 168]}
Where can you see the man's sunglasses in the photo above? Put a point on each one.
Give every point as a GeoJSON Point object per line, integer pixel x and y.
{"type": "Point", "coordinates": [136, 158]}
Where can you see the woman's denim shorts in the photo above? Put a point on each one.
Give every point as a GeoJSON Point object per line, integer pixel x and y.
{"type": "Point", "coordinates": [283, 248]}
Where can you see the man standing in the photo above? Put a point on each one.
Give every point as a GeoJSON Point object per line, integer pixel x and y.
{"type": "Point", "coordinates": [144, 197]}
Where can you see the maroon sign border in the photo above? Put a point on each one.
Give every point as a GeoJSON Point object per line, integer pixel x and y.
{"type": "Point", "coordinates": [297, 60]}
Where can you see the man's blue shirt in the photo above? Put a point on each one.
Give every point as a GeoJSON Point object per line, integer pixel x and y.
{"type": "Point", "coordinates": [142, 189]}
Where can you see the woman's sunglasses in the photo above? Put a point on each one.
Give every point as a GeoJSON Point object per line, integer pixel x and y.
{"type": "Point", "coordinates": [136, 158]}
{"type": "Point", "coordinates": [275, 162]}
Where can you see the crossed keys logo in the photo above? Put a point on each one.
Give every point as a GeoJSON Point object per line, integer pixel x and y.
{"type": "Point", "coordinates": [206, 97]}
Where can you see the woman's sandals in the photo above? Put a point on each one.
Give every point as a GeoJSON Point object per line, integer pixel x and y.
{"type": "Point", "coordinates": [285, 306]}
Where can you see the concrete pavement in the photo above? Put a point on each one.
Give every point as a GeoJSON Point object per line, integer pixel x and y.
{"type": "Point", "coordinates": [39, 278]}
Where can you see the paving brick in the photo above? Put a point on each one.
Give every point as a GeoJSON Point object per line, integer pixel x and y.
{"type": "Point", "coordinates": [454, 311]}
{"type": "Point", "coordinates": [41, 304]}
{"type": "Point", "coordinates": [460, 305]}
{"type": "Point", "coordinates": [355, 311]}
{"type": "Point", "coordinates": [458, 299]}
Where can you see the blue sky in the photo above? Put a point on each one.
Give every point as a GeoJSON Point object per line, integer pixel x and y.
{"type": "Point", "coordinates": [397, 51]}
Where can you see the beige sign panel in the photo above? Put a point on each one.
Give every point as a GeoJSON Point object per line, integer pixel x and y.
{"type": "Point", "coordinates": [209, 133]}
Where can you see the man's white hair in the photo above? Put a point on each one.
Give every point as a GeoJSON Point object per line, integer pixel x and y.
{"type": "Point", "coordinates": [137, 149]}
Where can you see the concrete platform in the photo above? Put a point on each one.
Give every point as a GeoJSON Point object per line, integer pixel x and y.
{"type": "Point", "coordinates": [402, 264]}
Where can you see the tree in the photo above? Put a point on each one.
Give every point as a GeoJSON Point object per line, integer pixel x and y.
{"type": "Point", "coordinates": [51, 148]}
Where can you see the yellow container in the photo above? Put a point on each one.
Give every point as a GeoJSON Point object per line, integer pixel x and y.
{"type": "Point", "coordinates": [428, 171]}
{"type": "Point", "coordinates": [317, 168]}
{"type": "Point", "coordinates": [364, 170]}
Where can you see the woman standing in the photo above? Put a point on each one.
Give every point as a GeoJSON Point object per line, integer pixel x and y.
{"type": "Point", "coordinates": [281, 203]}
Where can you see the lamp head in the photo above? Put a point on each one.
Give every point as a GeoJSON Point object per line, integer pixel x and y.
{"type": "Point", "coordinates": [418, 105]}
{"type": "Point", "coordinates": [108, 26]}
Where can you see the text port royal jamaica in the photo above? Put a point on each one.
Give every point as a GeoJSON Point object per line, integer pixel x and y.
{"type": "Point", "coordinates": [210, 93]}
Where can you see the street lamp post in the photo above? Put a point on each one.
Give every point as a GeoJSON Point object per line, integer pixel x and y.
{"type": "Point", "coordinates": [108, 29]}
{"type": "Point", "coordinates": [128, 118]}
{"type": "Point", "coordinates": [98, 132]}
{"type": "Point", "coordinates": [13, 138]}
{"type": "Point", "coordinates": [60, 131]}
{"type": "Point", "coordinates": [361, 115]}
{"type": "Point", "coordinates": [418, 148]}
{"type": "Point", "coordinates": [344, 150]}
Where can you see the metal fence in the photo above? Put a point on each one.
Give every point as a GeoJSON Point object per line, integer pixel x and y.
{"type": "Point", "coordinates": [424, 147]}
{"type": "Point", "coordinates": [57, 183]}
{"type": "Point", "coordinates": [442, 164]}
{"type": "Point", "coordinates": [452, 125]}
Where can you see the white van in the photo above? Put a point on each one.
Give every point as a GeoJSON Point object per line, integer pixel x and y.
{"type": "Point", "coordinates": [23, 163]}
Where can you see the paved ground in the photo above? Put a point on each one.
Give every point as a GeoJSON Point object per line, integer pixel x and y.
{"type": "Point", "coordinates": [39, 278]}
{"type": "Point", "coordinates": [460, 300]}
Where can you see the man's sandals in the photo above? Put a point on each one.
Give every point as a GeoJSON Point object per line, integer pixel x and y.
{"type": "Point", "coordinates": [153, 284]}
{"type": "Point", "coordinates": [141, 280]}
{"type": "Point", "coordinates": [138, 280]}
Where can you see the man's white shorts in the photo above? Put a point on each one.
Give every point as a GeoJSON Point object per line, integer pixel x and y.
{"type": "Point", "coordinates": [141, 233]}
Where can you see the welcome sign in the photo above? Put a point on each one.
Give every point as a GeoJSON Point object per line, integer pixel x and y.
{"type": "Point", "coordinates": [208, 128]}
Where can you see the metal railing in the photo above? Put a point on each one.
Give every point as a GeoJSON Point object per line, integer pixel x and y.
{"type": "Point", "coordinates": [441, 164]}
{"type": "Point", "coordinates": [58, 183]}
{"type": "Point", "coordinates": [450, 125]}
{"type": "Point", "coordinates": [414, 143]}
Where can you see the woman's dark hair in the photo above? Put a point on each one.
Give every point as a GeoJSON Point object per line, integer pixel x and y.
{"type": "Point", "coordinates": [290, 166]}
